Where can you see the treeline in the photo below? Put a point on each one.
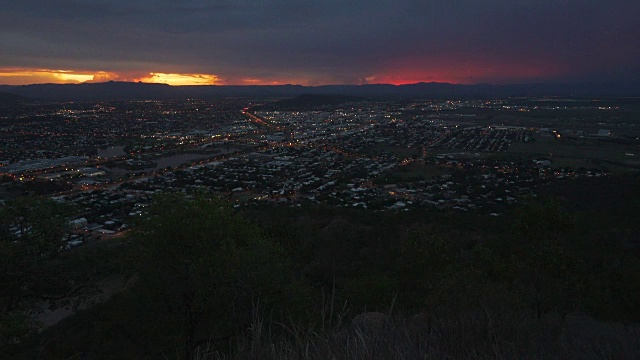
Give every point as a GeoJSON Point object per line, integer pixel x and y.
{"type": "Point", "coordinates": [206, 281]}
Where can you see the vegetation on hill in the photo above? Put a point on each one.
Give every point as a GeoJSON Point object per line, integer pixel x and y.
{"type": "Point", "coordinates": [207, 281]}
{"type": "Point", "coordinates": [35, 274]}
{"type": "Point", "coordinates": [8, 99]}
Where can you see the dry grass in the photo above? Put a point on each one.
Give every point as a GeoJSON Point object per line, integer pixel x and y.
{"type": "Point", "coordinates": [470, 336]}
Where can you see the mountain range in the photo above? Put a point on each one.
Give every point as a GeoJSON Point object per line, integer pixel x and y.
{"type": "Point", "coordinates": [9, 99]}
{"type": "Point", "coordinates": [131, 90]}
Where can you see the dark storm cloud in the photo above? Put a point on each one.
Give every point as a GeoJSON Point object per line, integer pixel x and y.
{"type": "Point", "coordinates": [327, 41]}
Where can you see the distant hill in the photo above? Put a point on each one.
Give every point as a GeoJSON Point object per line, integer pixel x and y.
{"type": "Point", "coordinates": [8, 99]}
{"type": "Point", "coordinates": [127, 90]}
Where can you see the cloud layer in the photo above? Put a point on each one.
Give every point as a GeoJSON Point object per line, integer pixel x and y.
{"type": "Point", "coordinates": [327, 42]}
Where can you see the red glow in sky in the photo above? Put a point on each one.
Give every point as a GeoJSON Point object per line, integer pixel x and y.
{"type": "Point", "coordinates": [410, 71]}
{"type": "Point", "coordinates": [317, 43]}
{"type": "Point", "coordinates": [401, 71]}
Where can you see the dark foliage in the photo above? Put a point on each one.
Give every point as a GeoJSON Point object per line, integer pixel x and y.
{"type": "Point", "coordinates": [279, 282]}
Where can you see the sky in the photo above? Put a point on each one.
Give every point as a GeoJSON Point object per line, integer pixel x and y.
{"type": "Point", "coordinates": [251, 42]}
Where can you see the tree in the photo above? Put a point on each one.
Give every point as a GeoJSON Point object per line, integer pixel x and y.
{"type": "Point", "coordinates": [32, 271]}
{"type": "Point", "coordinates": [427, 259]}
{"type": "Point", "coordinates": [546, 271]}
{"type": "Point", "coordinates": [203, 269]}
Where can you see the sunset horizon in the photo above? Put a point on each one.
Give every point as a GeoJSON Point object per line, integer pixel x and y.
{"type": "Point", "coordinates": [321, 43]}
{"type": "Point", "coordinates": [23, 76]}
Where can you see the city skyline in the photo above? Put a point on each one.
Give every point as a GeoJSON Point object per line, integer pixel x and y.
{"type": "Point", "coordinates": [329, 42]}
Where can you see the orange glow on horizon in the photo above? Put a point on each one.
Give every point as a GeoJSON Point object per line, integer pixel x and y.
{"type": "Point", "coordinates": [181, 79]}
{"type": "Point", "coordinates": [252, 81]}
{"type": "Point", "coordinates": [401, 71]}
{"type": "Point", "coordinates": [20, 76]}
{"type": "Point", "coordinates": [262, 82]}
{"type": "Point", "coordinates": [25, 76]}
